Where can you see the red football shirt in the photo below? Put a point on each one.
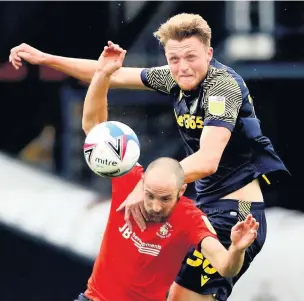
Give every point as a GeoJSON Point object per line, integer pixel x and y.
{"type": "Point", "coordinates": [139, 265]}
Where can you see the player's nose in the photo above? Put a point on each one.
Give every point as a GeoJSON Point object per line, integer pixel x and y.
{"type": "Point", "coordinates": [157, 208]}
{"type": "Point", "coordinates": [183, 66]}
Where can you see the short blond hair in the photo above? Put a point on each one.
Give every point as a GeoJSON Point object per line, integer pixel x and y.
{"type": "Point", "coordinates": [182, 26]}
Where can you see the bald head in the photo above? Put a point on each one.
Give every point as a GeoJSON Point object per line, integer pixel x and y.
{"type": "Point", "coordinates": [163, 186]}
{"type": "Point", "coordinates": [166, 168]}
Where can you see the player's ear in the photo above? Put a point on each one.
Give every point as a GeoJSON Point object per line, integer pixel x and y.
{"type": "Point", "coordinates": [209, 54]}
{"type": "Point", "coordinates": [183, 189]}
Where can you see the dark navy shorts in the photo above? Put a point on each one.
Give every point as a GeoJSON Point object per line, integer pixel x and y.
{"type": "Point", "coordinates": [196, 273]}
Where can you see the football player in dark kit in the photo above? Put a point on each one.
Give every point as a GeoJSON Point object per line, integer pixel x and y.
{"type": "Point", "coordinates": [227, 155]}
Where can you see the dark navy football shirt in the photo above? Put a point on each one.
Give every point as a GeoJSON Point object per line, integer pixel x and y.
{"type": "Point", "coordinates": [222, 99]}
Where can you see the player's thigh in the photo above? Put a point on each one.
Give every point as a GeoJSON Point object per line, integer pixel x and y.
{"type": "Point", "coordinates": [179, 293]}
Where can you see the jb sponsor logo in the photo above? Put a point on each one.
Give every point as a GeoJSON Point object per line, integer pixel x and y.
{"type": "Point", "coordinates": [142, 247]}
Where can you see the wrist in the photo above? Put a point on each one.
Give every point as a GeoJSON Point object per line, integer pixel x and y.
{"type": "Point", "coordinates": [101, 73]}
{"type": "Point", "coordinates": [47, 59]}
{"type": "Point", "coordinates": [234, 249]}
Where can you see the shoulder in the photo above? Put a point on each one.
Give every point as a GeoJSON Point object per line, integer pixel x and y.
{"type": "Point", "coordinates": [222, 77]}
{"type": "Point", "coordinates": [194, 219]}
{"type": "Point", "coordinates": [158, 78]}
{"type": "Point", "coordinates": [187, 207]}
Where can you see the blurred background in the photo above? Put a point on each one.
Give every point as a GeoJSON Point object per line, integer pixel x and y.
{"type": "Point", "coordinates": [53, 210]}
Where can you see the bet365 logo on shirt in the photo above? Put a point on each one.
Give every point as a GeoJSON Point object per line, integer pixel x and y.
{"type": "Point", "coordinates": [190, 121]}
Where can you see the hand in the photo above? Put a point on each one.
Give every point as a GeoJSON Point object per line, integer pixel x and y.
{"type": "Point", "coordinates": [134, 204]}
{"type": "Point", "coordinates": [111, 59]}
{"type": "Point", "coordinates": [244, 233]}
{"type": "Point", "coordinates": [27, 53]}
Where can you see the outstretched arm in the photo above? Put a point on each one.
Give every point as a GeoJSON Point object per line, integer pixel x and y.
{"type": "Point", "coordinates": [82, 69]}
{"type": "Point", "coordinates": [95, 108]}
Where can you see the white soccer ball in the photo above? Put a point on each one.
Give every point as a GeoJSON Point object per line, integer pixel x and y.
{"type": "Point", "coordinates": [111, 149]}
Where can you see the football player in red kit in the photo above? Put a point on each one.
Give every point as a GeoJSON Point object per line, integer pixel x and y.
{"type": "Point", "coordinates": [141, 265]}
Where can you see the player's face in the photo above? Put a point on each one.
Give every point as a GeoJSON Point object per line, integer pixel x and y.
{"type": "Point", "coordinates": [189, 61]}
{"type": "Point", "coordinates": [159, 204]}
{"type": "Point", "coordinates": [160, 198]}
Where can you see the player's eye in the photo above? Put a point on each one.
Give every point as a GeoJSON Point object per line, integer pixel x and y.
{"type": "Point", "coordinates": [191, 57]}
{"type": "Point", "coordinates": [173, 59]}
{"type": "Point", "coordinates": [150, 196]}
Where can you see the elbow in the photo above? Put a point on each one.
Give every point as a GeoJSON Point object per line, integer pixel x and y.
{"type": "Point", "coordinates": [86, 131]}
{"type": "Point", "coordinates": [86, 126]}
{"type": "Point", "coordinates": [208, 166]}
{"type": "Point", "coordinates": [89, 123]}
{"type": "Point", "coordinates": [211, 169]}
{"type": "Point", "coordinates": [205, 171]}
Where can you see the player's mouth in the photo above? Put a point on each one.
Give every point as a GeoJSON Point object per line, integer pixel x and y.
{"type": "Point", "coordinates": [156, 218]}
{"type": "Point", "coordinates": [185, 76]}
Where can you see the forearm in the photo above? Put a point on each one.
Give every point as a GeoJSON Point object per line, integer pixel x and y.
{"type": "Point", "coordinates": [81, 69]}
{"type": "Point", "coordinates": [232, 262]}
{"type": "Point", "coordinates": [228, 263]}
{"type": "Point", "coordinates": [195, 167]}
{"type": "Point", "coordinates": [95, 108]}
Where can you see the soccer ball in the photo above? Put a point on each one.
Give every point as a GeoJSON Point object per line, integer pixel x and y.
{"type": "Point", "coordinates": [111, 149]}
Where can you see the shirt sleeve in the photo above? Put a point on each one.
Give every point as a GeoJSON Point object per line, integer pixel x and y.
{"type": "Point", "coordinates": [199, 226]}
{"type": "Point", "coordinates": [122, 186]}
{"type": "Point", "coordinates": [158, 79]}
{"type": "Point", "coordinates": [223, 102]}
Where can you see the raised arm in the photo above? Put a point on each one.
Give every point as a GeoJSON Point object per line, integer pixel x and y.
{"type": "Point", "coordinates": [82, 69]}
{"type": "Point", "coordinates": [95, 108]}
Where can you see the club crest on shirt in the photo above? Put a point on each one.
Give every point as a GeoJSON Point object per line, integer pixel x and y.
{"type": "Point", "coordinates": [164, 231]}
{"type": "Point", "coordinates": [216, 105]}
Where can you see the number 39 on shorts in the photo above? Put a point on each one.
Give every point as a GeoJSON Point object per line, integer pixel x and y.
{"type": "Point", "coordinates": [197, 260]}
{"type": "Point", "coordinates": [190, 121]}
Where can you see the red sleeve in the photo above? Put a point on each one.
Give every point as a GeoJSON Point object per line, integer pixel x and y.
{"type": "Point", "coordinates": [122, 186]}
{"type": "Point", "coordinates": [199, 226]}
